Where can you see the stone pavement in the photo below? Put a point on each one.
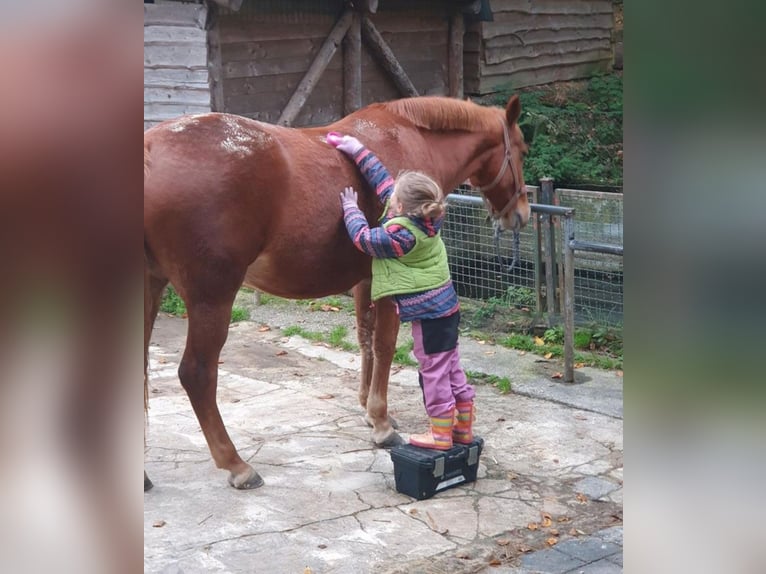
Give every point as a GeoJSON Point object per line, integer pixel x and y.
{"type": "Point", "coordinates": [548, 498]}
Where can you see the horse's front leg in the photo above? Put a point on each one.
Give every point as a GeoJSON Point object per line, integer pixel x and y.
{"type": "Point", "coordinates": [384, 345]}
{"type": "Point", "coordinates": [365, 328]}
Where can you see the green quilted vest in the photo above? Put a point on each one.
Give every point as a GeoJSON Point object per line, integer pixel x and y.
{"type": "Point", "coordinates": [423, 268]}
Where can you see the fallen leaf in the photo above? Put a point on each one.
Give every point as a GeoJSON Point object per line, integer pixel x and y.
{"type": "Point", "coordinates": [551, 541]}
{"type": "Point", "coordinates": [327, 396]}
{"type": "Point", "coordinates": [502, 542]}
{"type": "Point", "coordinates": [162, 360]}
{"type": "Point", "coordinates": [546, 520]}
{"type": "Point", "coordinates": [281, 353]}
{"type": "Point", "coordinates": [159, 524]}
{"type": "Point", "coordinates": [463, 555]}
{"type": "Point", "coordinates": [522, 353]}
{"type": "Point", "coordinates": [572, 532]}
{"type": "Point", "coordinates": [557, 376]}
{"type": "Point", "coordinates": [413, 511]}
{"type": "Point", "coordinates": [482, 342]}
{"type": "Point", "coordinates": [512, 476]}
{"type": "Point", "coordinates": [307, 570]}
{"type": "Point", "coordinates": [533, 526]}
{"type": "Point", "coordinates": [581, 497]}
{"type": "Point", "coordinates": [489, 353]}
{"type": "Point", "coordinates": [553, 532]}
{"type": "Point", "coordinates": [539, 342]}
{"type": "Point", "coordinates": [525, 549]}
{"type": "Point", "coordinates": [563, 519]}
{"type": "Point", "coordinates": [619, 373]}
{"type": "Point", "coordinates": [547, 355]}
{"type": "Point", "coordinates": [579, 365]}
{"type": "Point", "coordinates": [495, 562]}
{"type": "Point", "coordinates": [264, 329]}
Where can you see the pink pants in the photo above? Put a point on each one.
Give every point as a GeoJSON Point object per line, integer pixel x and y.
{"type": "Point", "coordinates": [441, 376]}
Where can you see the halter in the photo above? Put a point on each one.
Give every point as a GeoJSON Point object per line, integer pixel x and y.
{"type": "Point", "coordinates": [507, 160]}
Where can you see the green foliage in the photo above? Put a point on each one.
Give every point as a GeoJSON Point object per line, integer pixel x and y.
{"type": "Point", "coordinates": [172, 302]}
{"type": "Point", "coordinates": [521, 296]}
{"type": "Point", "coordinates": [582, 339]}
{"type": "Point", "coordinates": [519, 341]}
{"type": "Point", "coordinates": [555, 335]}
{"type": "Point", "coordinates": [335, 338]}
{"type": "Point", "coordinates": [239, 314]}
{"type": "Point", "coordinates": [574, 133]}
{"type": "Point", "coordinates": [402, 354]}
{"type": "Point", "coordinates": [503, 384]}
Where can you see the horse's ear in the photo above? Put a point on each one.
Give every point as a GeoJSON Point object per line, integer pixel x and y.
{"type": "Point", "coordinates": [513, 109]}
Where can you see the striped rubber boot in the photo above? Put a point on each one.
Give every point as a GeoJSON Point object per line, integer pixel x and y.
{"type": "Point", "coordinates": [440, 436]}
{"type": "Point", "coordinates": [462, 432]}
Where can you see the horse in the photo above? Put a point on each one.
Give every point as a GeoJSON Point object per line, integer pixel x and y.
{"type": "Point", "coordinates": [230, 201]}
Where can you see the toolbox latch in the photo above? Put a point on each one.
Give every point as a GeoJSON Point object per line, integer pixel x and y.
{"type": "Point", "coordinates": [439, 467]}
{"type": "Point", "coordinates": [473, 455]}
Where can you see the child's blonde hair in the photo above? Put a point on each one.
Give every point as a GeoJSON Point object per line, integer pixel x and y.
{"type": "Point", "coordinates": [419, 195]}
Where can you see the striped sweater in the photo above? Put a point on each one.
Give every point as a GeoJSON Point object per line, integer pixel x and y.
{"type": "Point", "coordinates": [396, 241]}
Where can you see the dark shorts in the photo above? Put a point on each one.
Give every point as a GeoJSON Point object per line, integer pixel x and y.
{"type": "Point", "coordinates": [440, 335]}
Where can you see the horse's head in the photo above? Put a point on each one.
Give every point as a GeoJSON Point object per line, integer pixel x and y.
{"type": "Point", "coordinates": [500, 179]}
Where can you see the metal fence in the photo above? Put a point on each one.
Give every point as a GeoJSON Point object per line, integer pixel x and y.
{"type": "Point", "coordinates": [570, 268]}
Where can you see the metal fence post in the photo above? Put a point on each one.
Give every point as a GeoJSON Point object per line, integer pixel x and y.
{"type": "Point", "coordinates": [567, 244]}
{"type": "Point", "coordinates": [546, 197]}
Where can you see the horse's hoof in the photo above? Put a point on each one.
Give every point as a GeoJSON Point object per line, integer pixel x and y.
{"type": "Point", "coordinates": [389, 440]}
{"type": "Point", "coordinates": [246, 480]}
{"type": "Point", "coordinates": [147, 483]}
{"type": "Point", "coordinates": [391, 421]}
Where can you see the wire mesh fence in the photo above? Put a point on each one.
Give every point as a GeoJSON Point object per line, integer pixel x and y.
{"type": "Point", "coordinates": [480, 262]}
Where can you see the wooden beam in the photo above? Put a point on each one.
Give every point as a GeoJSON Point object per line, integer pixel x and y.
{"type": "Point", "coordinates": [455, 55]}
{"type": "Point", "coordinates": [323, 57]}
{"type": "Point", "coordinates": [386, 58]}
{"type": "Point", "coordinates": [369, 6]}
{"type": "Point", "coordinates": [215, 62]}
{"type": "Point", "coordinates": [352, 66]}
{"type": "Point", "coordinates": [231, 4]}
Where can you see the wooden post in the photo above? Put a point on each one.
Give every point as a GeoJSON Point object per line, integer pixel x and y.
{"type": "Point", "coordinates": [323, 57]}
{"type": "Point", "coordinates": [386, 58]}
{"type": "Point", "coordinates": [214, 61]}
{"type": "Point", "coordinates": [455, 55]}
{"type": "Point", "coordinates": [352, 66]}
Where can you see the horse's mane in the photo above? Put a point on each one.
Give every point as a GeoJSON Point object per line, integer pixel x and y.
{"type": "Point", "coordinates": [440, 113]}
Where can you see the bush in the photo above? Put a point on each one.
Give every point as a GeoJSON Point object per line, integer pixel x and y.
{"type": "Point", "coordinates": [574, 131]}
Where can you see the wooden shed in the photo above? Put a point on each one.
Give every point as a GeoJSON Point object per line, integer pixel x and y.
{"type": "Point", "coordinates": [309, 62]}
{"type": "Point", "coordinates": [533, 42]}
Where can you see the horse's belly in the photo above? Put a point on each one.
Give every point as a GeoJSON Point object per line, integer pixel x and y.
{"type": "Point", "coordinates": [295, 277]}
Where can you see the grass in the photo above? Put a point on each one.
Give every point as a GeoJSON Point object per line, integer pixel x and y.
{"type": "Point", "coordinates": [334, 338]}
{"type": "Point", "coordinates": [402, 354]}
{"type": "Point", "coordinates": [173, 305]}
{"type": "Point", "coordinates": [502, 384]}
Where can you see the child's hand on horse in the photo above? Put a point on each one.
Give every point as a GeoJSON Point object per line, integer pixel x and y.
{"type": "Point", "coordinates": [348, 195]}
{"type": "Point", "coordinates": [346, 144]}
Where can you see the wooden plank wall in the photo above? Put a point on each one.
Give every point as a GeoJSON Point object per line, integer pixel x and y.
{"type": "Point", "coordinates": [265, 53]}
{"type": "Point", "coordinates": [176, 78]}
{"type": "Point", "coordinates": [534, 42]}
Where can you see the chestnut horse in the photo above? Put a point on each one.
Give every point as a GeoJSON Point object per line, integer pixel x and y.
{"type": "Point", "coordinates": [231, 201]}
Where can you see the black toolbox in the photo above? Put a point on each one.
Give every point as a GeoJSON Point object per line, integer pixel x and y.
{"type": "Point", "coordinates": [422, 472]}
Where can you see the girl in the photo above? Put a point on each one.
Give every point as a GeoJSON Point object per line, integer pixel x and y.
{"type": "Point", "coordinates": [410, 265]}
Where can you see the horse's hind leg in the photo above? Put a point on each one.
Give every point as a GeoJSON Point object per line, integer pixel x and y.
{"type": "Point", "coordinates": [153, 287]}
{"type": "Point", "coordinates": [208, 329]}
